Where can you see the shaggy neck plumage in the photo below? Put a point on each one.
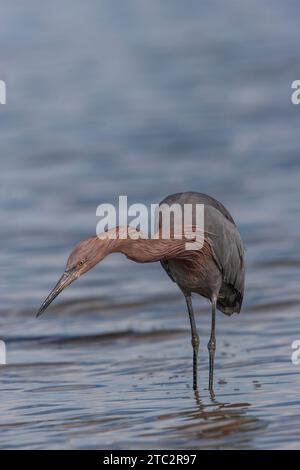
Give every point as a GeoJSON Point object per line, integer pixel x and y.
{"type": "Point", "coordinates": [138, 249]}
{"type": "Point", "coordinates": [150, 250]}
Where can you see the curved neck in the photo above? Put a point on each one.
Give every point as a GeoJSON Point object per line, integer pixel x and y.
{"type": "Point", "coordinates": [141, 250]}
{"type": "Point", "coordinates": [151, 250]}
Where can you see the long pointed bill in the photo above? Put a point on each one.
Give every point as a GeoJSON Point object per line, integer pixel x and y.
{"type": "Point", "coordinates": [66, 279]}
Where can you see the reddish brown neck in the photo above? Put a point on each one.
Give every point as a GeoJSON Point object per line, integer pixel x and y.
{"type": "Point", "coordinates": [142, 250]}
{"type": "Point", "coordinates": [150, 250]}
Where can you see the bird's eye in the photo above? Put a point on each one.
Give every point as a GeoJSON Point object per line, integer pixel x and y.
{"type": "Point", "coordinates": [81, 263]}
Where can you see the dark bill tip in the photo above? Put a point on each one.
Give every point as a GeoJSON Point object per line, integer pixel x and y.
{"type": "Point", "coordinates": [64, 282]}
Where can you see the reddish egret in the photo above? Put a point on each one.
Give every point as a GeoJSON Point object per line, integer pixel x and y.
{"type": "Point", "coordinates": [216, 271]}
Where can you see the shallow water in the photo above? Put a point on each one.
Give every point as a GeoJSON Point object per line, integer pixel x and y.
{"type": "Point", "coordinates": [146, 101]}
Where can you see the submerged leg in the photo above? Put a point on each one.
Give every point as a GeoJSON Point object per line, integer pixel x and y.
{"type": "Point", "coordinates": [212, 347]}
{"type": "Point", "coordinates": [195, 339]}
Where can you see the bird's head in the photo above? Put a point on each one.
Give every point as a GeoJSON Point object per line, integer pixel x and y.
{"type": "Point", "coordinates": [84, 257]}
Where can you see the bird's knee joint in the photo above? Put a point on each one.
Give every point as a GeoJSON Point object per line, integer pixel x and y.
{"type": "Point", "coordinates": [195, 342]}
{"type": "Point", "coordinates": [212, 345]}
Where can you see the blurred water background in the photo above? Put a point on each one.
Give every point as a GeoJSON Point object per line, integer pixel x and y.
{"type": "Point", "coordinates": [145, 99]}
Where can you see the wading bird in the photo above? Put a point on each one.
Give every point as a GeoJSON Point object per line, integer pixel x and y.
{"type": "Point", "coordinates": [216, 271]}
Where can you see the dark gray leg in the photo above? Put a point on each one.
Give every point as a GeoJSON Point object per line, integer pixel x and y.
{"type": "Point", "coordinates": [212, 347]}
{"type": "Point", "coordinates": [195, 340]}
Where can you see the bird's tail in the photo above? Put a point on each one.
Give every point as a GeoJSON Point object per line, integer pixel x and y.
{"type": "Point", "coordinates": [230, 301]}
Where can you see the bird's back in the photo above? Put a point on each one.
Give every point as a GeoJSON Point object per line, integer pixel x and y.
{"type": "Point", "coordinates": [225, 268]}
{"type": "Point", "coordinates": [192, 197]}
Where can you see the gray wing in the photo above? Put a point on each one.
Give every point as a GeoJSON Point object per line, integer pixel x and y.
{"type": "Point", "coordinates": [229, 256]}
{"type": "Point", "coordinates": [227, 245]}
